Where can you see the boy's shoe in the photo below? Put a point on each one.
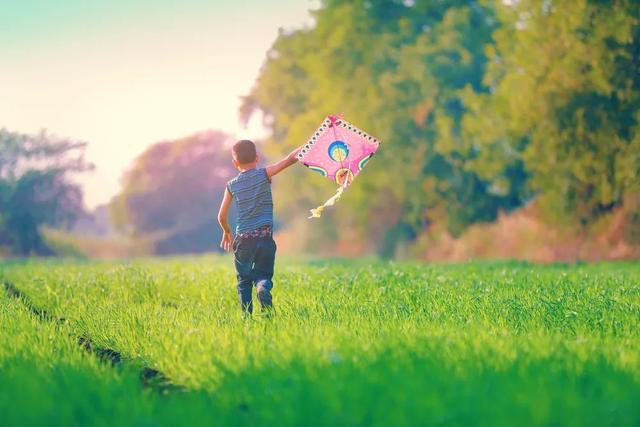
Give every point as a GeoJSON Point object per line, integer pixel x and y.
{"type": "Point", "coordinates": [263, 289]}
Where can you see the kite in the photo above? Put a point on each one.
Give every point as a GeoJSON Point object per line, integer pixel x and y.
{"type": "Point", "coordinates": [338, 151]}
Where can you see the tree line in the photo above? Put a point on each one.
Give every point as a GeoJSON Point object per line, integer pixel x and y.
{"type": "Point", "coordinates": [36, 189]}
{"type": "Point", "coordinates": [482, 106]}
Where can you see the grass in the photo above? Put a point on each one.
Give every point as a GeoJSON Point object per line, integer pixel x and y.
{"type": "Point", "coordinates": [353, 343]}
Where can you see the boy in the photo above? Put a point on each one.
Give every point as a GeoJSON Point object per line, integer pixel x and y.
{"type": "Point", "coordinates": [253, 246]}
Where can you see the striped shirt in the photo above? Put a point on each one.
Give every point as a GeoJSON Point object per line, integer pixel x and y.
{"type": "Point", "coordinates": [252, 191]}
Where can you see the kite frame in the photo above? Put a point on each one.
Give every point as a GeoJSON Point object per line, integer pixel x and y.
{"type": "Point", "coordinates": [332, 121]}
{"type": "Point", "coordinates": [327, 123]}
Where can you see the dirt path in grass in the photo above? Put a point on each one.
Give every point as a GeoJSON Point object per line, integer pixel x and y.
{"type": "Point", "coordinates": [150, 377]}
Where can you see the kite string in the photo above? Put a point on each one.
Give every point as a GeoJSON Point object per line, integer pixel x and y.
{"type": "Point", "coordinates": [335, 137]}
{"type": "Point", "coordinates": [333, 118]}
{"type": "Point", "coordinates": [317, 212]}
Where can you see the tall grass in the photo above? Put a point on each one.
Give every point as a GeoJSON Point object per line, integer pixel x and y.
{"type": "Point", "coordinates": [361, 343]}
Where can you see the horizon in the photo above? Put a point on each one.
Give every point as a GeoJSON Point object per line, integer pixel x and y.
{"type": "Point", "coordinates": [123, 77]}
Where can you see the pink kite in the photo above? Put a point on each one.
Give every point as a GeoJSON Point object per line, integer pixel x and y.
{"type": "Point", "coordinates": [339, 151]}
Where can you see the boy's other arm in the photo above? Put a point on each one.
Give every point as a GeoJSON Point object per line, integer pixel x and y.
{"type": "Point", "coordinates": [278, 167]}
{"type": "Point", "coordinates": [227, 237]}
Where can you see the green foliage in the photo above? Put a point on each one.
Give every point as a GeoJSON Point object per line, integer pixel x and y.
{"type": "Point", "coordinates": [62, 243]}
{"type": "Point", "coordinates": [565, 100]}
{"type": "Point", "coordinates": [172, 191]}
{"type": "Point", "coordinates": [35, 189]}
{"type": "Point", "coordinates": [480, 106]}
{"type": "Point", "coordinates": [353, 343]}
{"type": "Point", "coordinates": [396, 70]}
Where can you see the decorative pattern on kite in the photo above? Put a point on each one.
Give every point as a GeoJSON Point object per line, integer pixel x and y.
{"type": "Point", "coordinates": [338, 150]}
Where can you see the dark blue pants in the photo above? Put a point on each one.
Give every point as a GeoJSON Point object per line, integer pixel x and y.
{"type": "Point", "coordinates": [254, 259]}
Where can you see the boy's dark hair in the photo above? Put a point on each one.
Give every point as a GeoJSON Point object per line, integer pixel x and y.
{"type": "Point", "coordinates": [244, 151]}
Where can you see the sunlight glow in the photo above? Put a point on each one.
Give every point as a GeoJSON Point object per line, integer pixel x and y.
{"type": "Point", "coordinates": [123, 84]}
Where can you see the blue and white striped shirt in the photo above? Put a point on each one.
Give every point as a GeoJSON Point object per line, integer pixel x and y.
{"type": "Point", "coordinates": [252, 191]}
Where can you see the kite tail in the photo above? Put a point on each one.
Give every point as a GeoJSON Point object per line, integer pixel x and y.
{"type": "Point", "coordinates": [317, 212]}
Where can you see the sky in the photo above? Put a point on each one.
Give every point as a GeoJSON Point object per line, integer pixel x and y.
{"type": "Point", "coordinates": [122, 75]}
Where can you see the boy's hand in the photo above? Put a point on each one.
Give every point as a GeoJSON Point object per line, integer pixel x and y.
{"type": "Point", "coordinates": [227, 241]}
{"type": "Point", "coordinates": [293, 156]}
{"type": "Point", "coordinates": [227, 238]}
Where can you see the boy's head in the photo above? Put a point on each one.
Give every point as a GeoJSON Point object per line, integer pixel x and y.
{"type": "Point", "coordinates": [244, 153]}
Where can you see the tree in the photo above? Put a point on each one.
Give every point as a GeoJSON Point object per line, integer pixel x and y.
{"type": "Point", "coordinates": [565, 103]}
{"type": "Point", "coordinates": [172, 193]}
{"type": "Point", "coordinates": [35, 188]}
{"type": "Point", "coordinates": [398, 70]}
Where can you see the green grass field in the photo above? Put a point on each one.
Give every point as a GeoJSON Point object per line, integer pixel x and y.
{"type": "Point", "coordinates": [353, 343]}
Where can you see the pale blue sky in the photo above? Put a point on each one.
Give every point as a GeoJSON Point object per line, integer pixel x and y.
{"type": "Point", "coordinates": [124, 74]}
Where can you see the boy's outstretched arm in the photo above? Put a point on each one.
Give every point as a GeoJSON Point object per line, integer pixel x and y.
{"type": "Point", "coordinates": [278, 167]}
{"type": "Point", "coordinates": [227, 238]}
